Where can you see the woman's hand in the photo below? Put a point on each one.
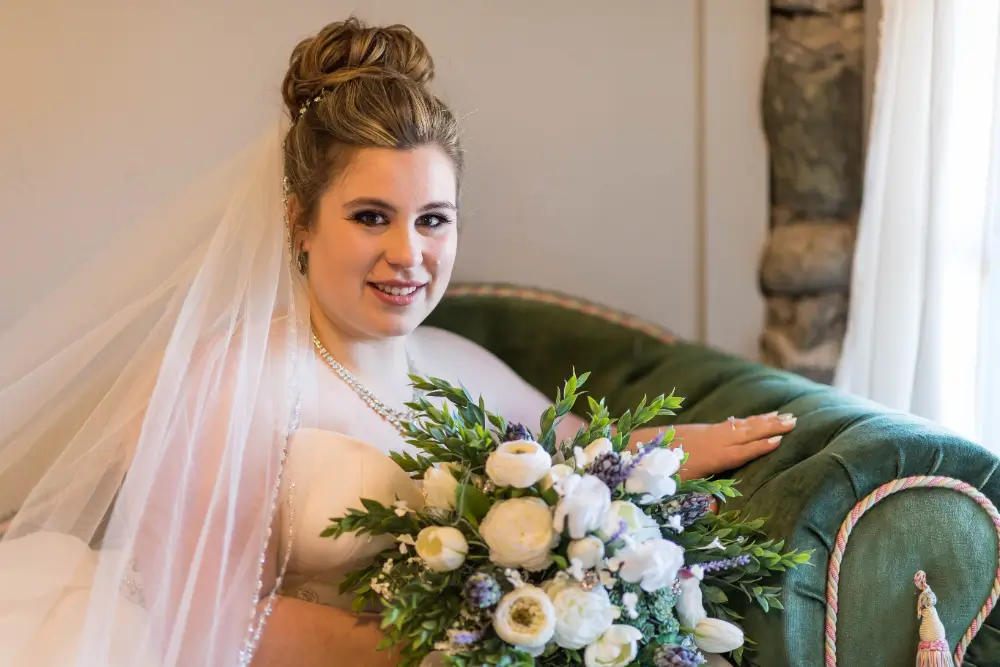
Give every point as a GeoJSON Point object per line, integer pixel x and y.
{"type": "Point", "coordinates": [714, 448]}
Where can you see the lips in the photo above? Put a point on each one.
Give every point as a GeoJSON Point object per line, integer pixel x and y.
{"type": "Point", "coordinates": [397, 293]}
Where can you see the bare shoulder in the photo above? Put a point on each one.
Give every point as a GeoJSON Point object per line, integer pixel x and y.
{"type": "Point", "coordinates": [459, 360]}
{"type": "Point", "coordinates": [453, 357]}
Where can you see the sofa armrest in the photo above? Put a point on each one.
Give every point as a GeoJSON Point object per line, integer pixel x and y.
{"type": "Point", "coordinates": [842, 449]}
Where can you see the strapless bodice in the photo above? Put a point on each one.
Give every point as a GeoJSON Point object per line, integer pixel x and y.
{"type": "Point", "coordinates": [327, 474]}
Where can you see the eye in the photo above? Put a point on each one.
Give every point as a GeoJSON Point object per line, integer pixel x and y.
{"type": "Point", "coordinates": [433, 220]}
{"type": "Point", "coordinates": [369, 218]}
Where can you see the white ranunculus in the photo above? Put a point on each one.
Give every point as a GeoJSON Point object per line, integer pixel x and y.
{"type": "Point", "coordinates": [588, 550]}
{"type": "Point", "coordinates": [586, 499]}
{"type": "Point", "coordinates": [690, 607]}
{"type": "Point", "coordinates": [440, 487]}
{"type": "Point", "coordinates": [638, 525]}
{"type": "Point", "coordinates": [713, 635]}
{"type": "Point", "coordinates": [518, 463]}
{"type": "Point", "coordinates": [582, 616]}
{"type": "Point", "coordinates": [653, 564]}
{"type": "Point", "coordinates": [442, 548]}
{"type": "Point", "coordinates": [555, 477]}
{"type": "Point", "coordinates": [653, 475]}
{"type": "Point", "coordinates": [592, 451]}
{"type": "Point", "coordinates": [617, 647]}
{"type": "Point", "coordinates": [519, 533]}
{"type": "Point", "coordinates": [525, 618]}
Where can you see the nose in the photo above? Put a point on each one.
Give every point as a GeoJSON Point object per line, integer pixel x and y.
{"type": "Point", "coordinates": [403, 248]}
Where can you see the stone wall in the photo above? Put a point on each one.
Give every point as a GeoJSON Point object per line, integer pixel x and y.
{"type": "Point", "coordinates": [812, 109]}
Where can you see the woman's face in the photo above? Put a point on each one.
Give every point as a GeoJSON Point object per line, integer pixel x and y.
{"type": "Point", "coordinates": [383, 244]}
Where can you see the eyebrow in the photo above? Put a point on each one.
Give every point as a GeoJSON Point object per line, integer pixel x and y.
{"type": "Point", "coordinates": [383, 204]}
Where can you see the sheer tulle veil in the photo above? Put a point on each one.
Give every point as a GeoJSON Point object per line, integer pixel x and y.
{"type": "Point", "coordinates": [144, 413]}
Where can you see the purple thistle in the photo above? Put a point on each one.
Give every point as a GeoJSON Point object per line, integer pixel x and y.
{"type": "Point", "coordinates": [691, 507]}
{"type": "Point", "coordinates": [481, 591]}
{"type": "Point", "coordinates": [676, 656]}
{"type": "Point", "coordinates": [725, 564]}
{"type": "Point", "coordinates": [517, 432]}
{"type": "Point", "coordinates": [610, 469]}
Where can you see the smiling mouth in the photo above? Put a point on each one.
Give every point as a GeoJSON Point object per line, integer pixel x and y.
{"type": "Point", "coordinates": [394, 290]}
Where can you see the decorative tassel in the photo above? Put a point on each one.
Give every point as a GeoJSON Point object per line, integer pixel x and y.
{"type": "Point", "coordinates": [933, 650]}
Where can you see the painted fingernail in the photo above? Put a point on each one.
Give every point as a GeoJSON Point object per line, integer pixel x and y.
{"type": "Point", "coordinates": [789, 422]}
{"type": "Point", "coordinates": [775, 440]}
{"type": "Point", "coordinates": [785, 416]}
{"type": "Point", "coordinates": [771, 414]}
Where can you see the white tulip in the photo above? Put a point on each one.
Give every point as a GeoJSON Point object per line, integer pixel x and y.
{"type": "Point", "coordinates": [555, 477]}
{"type": "Point", "coordinates": [589, 551]}
{"type": "Point", "coordinates": [518, 463]}
{"type": "Point", "coordinates": [591, 452]}
{"type": "Point", "coordinates": [652, 564]}
{"type": "Point", "coordinates": [617, 647]}
{"type": "Point", "coordinates": [653, 475]}
{"type": "Point", "coordinates": [582, 508]}
{"type": "Point", "coordinates": [440, 487]}
{"type": "Point", "coordinates": [442, 548]}
{"type": "Point", "coordinates": [519, 533]}
{"type": "Point", "coordinates": [638, 525]}
{"type": "Point", "coordinates": [582, 616]}
{"type": "Point", "coordinates": [713, 635]}
{"type": "Point", "coordinates": [525, 618]}
{"type": "Point", "coordinates": [690, 608]}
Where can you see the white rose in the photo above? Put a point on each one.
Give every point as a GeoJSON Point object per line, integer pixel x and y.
{"type": "Point", "coordinates": [555, 477]}
{"type": "Point", "coordinates": [638, 525]}
{"type": "Point", "coordinates": [442, 548]}
{"type": "Point", "coordinates": [582, 508]}
{"type": "Point", "coordinates": [440, 487]}
{"type": "Point", "coordinates": [588, 550]}
{"type": "Point", "coordinates": [690, 607]}
{"type": "Point", "coordinates": [616, 648]}
{"type": "Point", "coordinates": [519, 533]}
{"type": "Point", "coordinates": [652, 564]}
{"type": "Point", "coordinates": [581, 616]}
{"type": "Point", "coordinates": [713, 635]}
{"type": "Point", "coordinates": [518, 463]}
{"type": "Point", "coordinates": [525, 618]}
{"type": "Point", "coordinates": [592, 451]}
{"type": "Point", "coordinates": [652, 476]}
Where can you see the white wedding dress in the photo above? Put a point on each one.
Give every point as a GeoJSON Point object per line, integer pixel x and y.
{"type": "Point", "coordinates": [326, 474]}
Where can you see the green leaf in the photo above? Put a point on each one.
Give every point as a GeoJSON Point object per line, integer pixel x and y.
{"type": "Point", "coordinates": [472, 502]}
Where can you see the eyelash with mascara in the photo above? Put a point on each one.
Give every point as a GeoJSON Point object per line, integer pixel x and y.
{"type": "Point", "coordinates": [366, 218]}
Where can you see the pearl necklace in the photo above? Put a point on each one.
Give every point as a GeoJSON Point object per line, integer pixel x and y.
{"type": "Point", "coordinates": [391, 415]}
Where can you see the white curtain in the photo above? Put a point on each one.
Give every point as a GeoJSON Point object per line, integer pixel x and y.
{"type": "Point", "coordinates": [924, 325]}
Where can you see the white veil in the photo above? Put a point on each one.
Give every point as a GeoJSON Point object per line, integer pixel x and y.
{"type": "Point", "coordinates": [144, 411]}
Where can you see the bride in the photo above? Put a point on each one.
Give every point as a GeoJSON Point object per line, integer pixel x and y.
{"type": "Point", "coordinates": [175, 438]}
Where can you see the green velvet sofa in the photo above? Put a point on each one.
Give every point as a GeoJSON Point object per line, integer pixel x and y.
{"type": "Point", "coordinates": [842, 449]}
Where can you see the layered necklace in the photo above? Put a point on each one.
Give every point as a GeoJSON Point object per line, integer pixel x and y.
{"type": "Point", "coordinates": [391, 415]}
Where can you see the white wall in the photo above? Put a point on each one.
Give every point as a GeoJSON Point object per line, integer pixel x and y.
{"type": "Point", "coordinates": [615, 150]}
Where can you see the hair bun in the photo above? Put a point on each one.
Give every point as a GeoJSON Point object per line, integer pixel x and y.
{"type": "Point", "coordinates": [347, 49]}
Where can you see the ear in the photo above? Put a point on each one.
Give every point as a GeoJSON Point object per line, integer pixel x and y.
{"type": "Point", "coordinates": [300, 238]}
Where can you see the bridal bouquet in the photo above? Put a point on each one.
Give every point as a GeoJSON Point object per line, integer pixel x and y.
{"type": "Point", "coordinates": [529, 551]}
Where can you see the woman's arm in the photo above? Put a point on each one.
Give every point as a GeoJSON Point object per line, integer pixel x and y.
{"type": "Point", "coordinates": [305, 634]}
{"type": "Point", "coordinates": [712, 448]}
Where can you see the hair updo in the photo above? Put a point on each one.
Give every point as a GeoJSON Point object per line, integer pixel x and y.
{"type": "Point", "coordinates": [365, 87]}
